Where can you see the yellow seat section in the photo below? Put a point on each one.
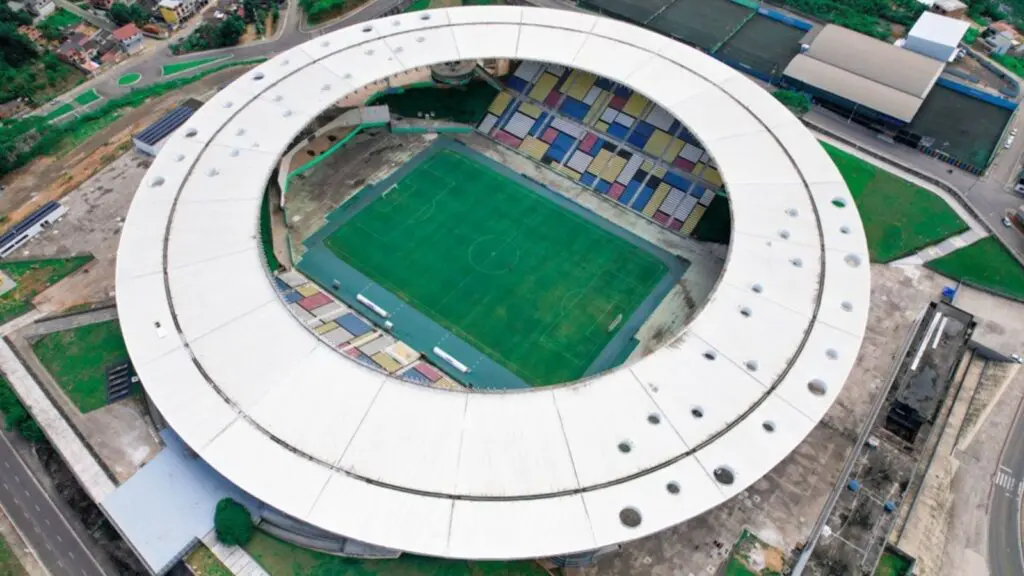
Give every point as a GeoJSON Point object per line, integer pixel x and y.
{"type": "Point", "coordinates": [658, 172]}
{"type": "Point", "coordinates": [673, 150]}
{"type": "Point", "coordinates": [602, 126]}
{"type": "Point", "coordinates": [600, 162]}
{"type": "Point", "coordinates": [386, 362]}
{"type": "Point", "coordinates": [659, 196]}
{"type": "Point", "coordinates": [712, 176]}
{"type": "Point", "coordinates": [657, 142]}
{"type": "Point", "coordinates": [579, 88]}
{"type": "Point", "coordinates": [574, 175]}
{"type": "Point", "coordinates": [543, 86]}
{"type": "Point", "coordinates": [531, 110]}
{"type": "Point", "coordinates": [307, 289]}
{"type": "Point", "coordinates": [325, 328]}
{"type": "Point", "coordinates": [500, 103]}
{"type": "Point", "coordinates": [635, 105]}
{"type": "Point", "coordinates": [534, 148]}
{"type": "Point", "coordinates": [692, 219]}
{"type": "Point", "coordinates": [612, 169]}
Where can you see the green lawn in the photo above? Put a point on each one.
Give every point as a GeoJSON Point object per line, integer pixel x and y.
{"type": "Point", "coordinates": [204, 563]}
{"type": "Point", "coordinates": [32, 277]}
{"type": "Point", "coordinates": [177, 67]}
{"type": "Point", "coordinates": [129, 79]}
{"type": "Point", "coordinates": [9, 565]}
{"type": "Point", "coordinates": [61, 19]}
{"type": "Point", "coordinates": [770, 560]}
{"type": "Point", "coordinates": [58, 112]}
{"type": "Point", "coordinates": [985, 263]}
{"type": "Point", "coordinates": [78, 358]}
{"type": "Point", "coordinates": [532, 285]}
{"type": "Point", "coordinates": [899, 218]}
{"type": "Point", "coordinates": [87, 97]}
{"type": "Point", "coordinates": [282, 559]}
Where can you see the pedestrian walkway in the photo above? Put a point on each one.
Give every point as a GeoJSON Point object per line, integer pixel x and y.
{"type": "Point", "coordinates": [941, 249]}
{"type": "Point", "coordinates": [87, 470]}
{"type": "Point", "coordinates": [235, 558]}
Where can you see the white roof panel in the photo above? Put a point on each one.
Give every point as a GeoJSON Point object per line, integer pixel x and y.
{"type": "Point", "coordinates": [354, 452]}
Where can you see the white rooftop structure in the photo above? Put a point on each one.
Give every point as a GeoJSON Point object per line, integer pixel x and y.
{"type": "Point", "coordinates": [936, 36]}
{"type": "Point", "coordinates": [525, 474]}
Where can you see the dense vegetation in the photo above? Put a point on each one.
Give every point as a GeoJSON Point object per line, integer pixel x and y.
{"type": "Point", "coordinates": [320, 10]}
{"type": "Point", "coordinates": [211, 35]}
{"type": "Point", "coordinates": [232, 522]}
{"type": "Point", "coordinates": [16, 417]}
{"type": "Point", "coordinates": [25, 71]}
{"type": "Point", "coordinates": [28, 138]}
{"type": "Point", "coordinates": [122, 14]}
{"type": "Point", "coordinates": [871, 17]}
{"type": "Point", "coordinates": [797, 102]}
{"type": "Point", "coordinates": [1011, 63]}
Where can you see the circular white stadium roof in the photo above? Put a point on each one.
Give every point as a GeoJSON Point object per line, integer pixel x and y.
{"type": "Point", "coordinates": [491, 475]}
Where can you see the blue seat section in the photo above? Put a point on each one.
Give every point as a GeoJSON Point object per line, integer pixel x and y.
{"type": "Point", "coordinates": [603, 83]}
{"type": "Point", "coordinates": [623, 91]}
{"type": "Point", "coordinates": [686, 136]}
{"type": "Point", "coordinates": [555, 153]}
{"type": "Point", "coordinates": [675, 126]}
{"type": "Point", "coordinates": [281, 285]}
{"type": "Point", "coordinates": [366, 360]}
{"type": "Point", "coordinates": [539, 124]}
{"type": "Point", "coordinates": [618, 130]}
{"type": "Point", "coordinates": [587, 179]}
{"type": "Point", "coordinates": [644, 128]}
{"type": "Point", "coordinates": [603, 186]}
{"type": "Point", "coordinates": [516, 83]}
{"type": "Point", "coordinates": [629, 192]}
{"type": "Point", "coordinates": [563, 141]}
{"type": "Point", "coordinates": [698, 190]}
{"type": "Point", "coordinates": [677, 181]}
{"type": "Point", "coordinates": [292, 296]}
{"type": "Point", "coordinates": [638, 139]}
{"type": "Point", "coordinates": [643, 198]}
{"type": "Point", "coordinates": [351, 323]}
{"type": "Point", "coordinates": [574, 108]}
{"type": "Point", "coordinates": [415, 377]}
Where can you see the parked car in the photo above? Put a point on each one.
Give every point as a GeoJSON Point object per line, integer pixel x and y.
{"type": "Point", "coordinates": [1006, 221]}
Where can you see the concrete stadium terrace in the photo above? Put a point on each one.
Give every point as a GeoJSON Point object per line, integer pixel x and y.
{"type": "Point", "coordinates": [536, 473]}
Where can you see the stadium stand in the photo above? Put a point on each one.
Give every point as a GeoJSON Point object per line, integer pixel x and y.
{"type": "Point", "coordinates": [342, 328]}
{"type": "Point", "coordinates": [151, 139]}
{"type": "Point", "coordinates": [607, 138]}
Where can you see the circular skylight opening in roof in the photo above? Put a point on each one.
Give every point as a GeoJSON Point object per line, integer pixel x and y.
{"type": "Point", "coordinates": [596, 276]}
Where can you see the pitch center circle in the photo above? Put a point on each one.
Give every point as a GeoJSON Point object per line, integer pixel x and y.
{"type": "Point", "coordinates": [493, 255]}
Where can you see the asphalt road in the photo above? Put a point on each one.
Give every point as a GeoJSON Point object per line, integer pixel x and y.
{"type": "Point", "coordinates": [41, 524]}
{"type": "Point", "coordinates": [1005, 552]}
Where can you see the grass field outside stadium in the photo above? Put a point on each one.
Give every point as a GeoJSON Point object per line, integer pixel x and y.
{"type": "Point", "coordinates": [538, 288]}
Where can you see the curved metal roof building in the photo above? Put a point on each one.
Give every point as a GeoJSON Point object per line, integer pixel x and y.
{"type": "Point", "coordinates": [491, 475]}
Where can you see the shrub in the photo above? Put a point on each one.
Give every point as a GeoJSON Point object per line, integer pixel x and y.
{"type": "Point", "coordinates": [797, 102]}
{"type": "Point", "coordinates": [232, 523]}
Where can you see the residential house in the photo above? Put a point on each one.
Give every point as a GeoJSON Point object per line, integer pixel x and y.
{"type": "Point", "coordinates": [950, 8]}
{"type": "Point", "coordinates": [998, 42]}
{"type": "Point", "coordinates": [129, 37]}
{"type": "Point", "coordinates": [174, 12]}
{"type": "Point", "coordinates": [40, 8]}
{"type": "Point", "coordinates": [102, 4]}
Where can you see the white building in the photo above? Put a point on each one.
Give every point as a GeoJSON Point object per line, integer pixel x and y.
{"type": "Point", "coordinates": [936, 36]}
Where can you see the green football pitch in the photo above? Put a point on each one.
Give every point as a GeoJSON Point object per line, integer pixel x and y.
{"type": "Point", "coordinates": [534, 286]}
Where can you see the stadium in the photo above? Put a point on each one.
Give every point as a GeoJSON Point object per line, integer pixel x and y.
{"type": "Point", "coordinates": [516, 340]}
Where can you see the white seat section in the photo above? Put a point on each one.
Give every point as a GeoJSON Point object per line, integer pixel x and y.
{"type": "Point", "coordinates": [521, 474]}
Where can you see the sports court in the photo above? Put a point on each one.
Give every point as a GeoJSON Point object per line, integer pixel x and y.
{"type": "Point", "coordinates": [961, 126]}
{"type": "Point", "coordinates": [531, 283]}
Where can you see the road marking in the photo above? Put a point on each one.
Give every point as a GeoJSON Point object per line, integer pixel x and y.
{"type": "Point", "coordinates": [17, 479]}
{"type": "Point", "coordinates": [1001, 467]}
{"type": "Point", "coordinates": [59, 539]}
{"type": "Point", "coordinates": [71, 554]}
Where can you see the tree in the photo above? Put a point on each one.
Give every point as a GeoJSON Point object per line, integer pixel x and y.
{"type": "Point", "coordinates": [15, 17]}
{"type": "Point", "coordinates": [233, 523]}
{"type": "Point", "coordinates": [230, 30]}
{"type": "Point", "coordinates": [15, 48]}
{"type": "Point", "coordinates": [122, 14]}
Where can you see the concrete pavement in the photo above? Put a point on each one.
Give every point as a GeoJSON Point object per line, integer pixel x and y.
{"type": "Point", "coordinates": [1005, 552]}
{"type": "Point", "coordinates": [941, 249]}
{"type": "Point", "coordinates": [39, 521]}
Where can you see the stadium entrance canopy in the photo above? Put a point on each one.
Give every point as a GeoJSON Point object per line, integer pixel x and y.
{"type": "Point", "coordinates": [506, 475]}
